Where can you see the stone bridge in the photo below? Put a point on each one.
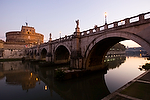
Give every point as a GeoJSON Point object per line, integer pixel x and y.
{"type": "Point", "coordinates": [87, 49]}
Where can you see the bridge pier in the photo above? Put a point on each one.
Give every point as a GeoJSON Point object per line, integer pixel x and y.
{"type": "Point", "coordinates": [76, 63]}
{"type": "Point", "coordinates": [76, 60]}
{"type": "Point", "coordinates": [76, 57]}
{"type": "Point", "coordinates": [49, 54]}
{"type": "Point", "coordinates": [38, 56]}
{"type": "Point", "coordinates": [49, 58]}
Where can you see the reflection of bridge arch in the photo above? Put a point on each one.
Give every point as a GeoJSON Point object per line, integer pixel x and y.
{"type": "Point", "coordinates": [98, 48]}
{"type": "Point", "coordinates": [92, 86]}
{"type": "Point", "coordinates": [43, 54]}
{"type": "Point", "coordinates": [61, 54]}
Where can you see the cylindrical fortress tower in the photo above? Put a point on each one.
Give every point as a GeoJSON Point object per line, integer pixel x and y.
{"type": "Point", "coordinates": [27, 35]}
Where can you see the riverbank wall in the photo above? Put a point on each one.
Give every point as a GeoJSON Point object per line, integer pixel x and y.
{"type": "Point", "coordinates": [137, 89]}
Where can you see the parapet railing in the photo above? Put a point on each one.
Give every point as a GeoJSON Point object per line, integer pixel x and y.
{"type": "Point", "coordinates": [128, 21]}
{"type": "Point", "coordinates": [69, 37]}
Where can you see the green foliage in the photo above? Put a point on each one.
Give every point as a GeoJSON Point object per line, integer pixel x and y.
{"type": "Point", "coordinates": [59, 74]}
{"type": "Point", "coordinates": [146, 66]}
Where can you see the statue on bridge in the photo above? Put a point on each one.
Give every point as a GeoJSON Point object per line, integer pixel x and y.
{"type": "Point", "coordinates": [77, 27]}
{"type": "Point", "coordinates": [50, 37]}
{"type": "Point", "coordinates": [77, 22]}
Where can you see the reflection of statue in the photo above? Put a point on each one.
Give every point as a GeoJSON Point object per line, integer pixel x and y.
{"type": "Point", "coordinates": [77, 22]}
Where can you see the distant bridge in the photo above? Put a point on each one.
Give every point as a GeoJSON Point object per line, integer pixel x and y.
{"type": "Point", "coordinates": [87, 49]}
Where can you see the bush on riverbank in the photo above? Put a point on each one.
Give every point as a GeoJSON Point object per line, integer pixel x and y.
{"type": "Point", "coordinates": [59, 74]}
{"type": "Point", "coordinates": [146, 66]}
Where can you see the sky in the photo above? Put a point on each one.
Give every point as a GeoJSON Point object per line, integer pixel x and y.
{"type": "Point", "coordinates": [55, 16]}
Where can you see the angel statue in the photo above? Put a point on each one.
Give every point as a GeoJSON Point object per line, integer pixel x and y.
{"type": "Point", "coordinates": [77, 22]}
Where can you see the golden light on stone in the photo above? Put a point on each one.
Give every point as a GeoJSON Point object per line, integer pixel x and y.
{"type": "Point", "coordinates": [45, 87]}
{"type": "Point", "coordinates": [36, 79]}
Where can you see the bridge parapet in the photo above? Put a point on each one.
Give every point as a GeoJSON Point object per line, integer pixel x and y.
{"type": "Point", "coordinates": [66, 38]}
{"type": "Point", "coordinates": [141, 18]}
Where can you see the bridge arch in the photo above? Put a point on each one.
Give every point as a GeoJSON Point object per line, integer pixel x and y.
{"type": "Point", "coordinates": [62, 54]}
{"type": "Point", "coordinates": [62, 44]}
{"type": "Point", "coordinates": [43, 54]}
{"type": "Point", "coordinates": [98, 48]}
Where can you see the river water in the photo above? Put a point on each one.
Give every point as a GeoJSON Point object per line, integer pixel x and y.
{"type": "Point", "coordinates": [27, 81]}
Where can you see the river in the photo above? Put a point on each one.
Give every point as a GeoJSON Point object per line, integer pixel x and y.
{"type": "Point", "coordinates": [27, 81]}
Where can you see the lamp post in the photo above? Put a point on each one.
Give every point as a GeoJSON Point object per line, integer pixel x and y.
{"type": "Point", "coordinates": [105, 17]}
{"type": "Point", "coordinates": [60, 34]}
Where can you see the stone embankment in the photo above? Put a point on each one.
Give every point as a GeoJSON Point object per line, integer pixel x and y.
{"type": "Point", "coordinates": [137, 89]}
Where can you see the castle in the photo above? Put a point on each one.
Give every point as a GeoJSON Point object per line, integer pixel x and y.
{"type": "Point", "coordinates": [27, 35]}
{"type": "Point", "coordinates": [17, 41]}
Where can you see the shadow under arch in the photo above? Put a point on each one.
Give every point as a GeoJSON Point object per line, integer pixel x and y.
{"type": "Point", "coordinates": [61, 55]}
{"type": "Point", "coordinates": [98, 48]}
{"type": "Point", "coordinates": [43, 54]}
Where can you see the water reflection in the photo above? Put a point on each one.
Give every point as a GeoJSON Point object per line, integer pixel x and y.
{"type": "Point", "coordinates": [28, 75]}
{"type": "Point", "coordinates": [127, 71]}
{"type": "Point", "coordinates": [17, 74]}
{"type": "Point", "coordinates": [115, 61]}
{"type": "Point", "coordinates": [27, 80]}
{"type": "Point", "coordinates": [91, 87]}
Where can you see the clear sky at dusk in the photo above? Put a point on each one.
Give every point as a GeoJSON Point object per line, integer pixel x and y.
{"type": "Point", "coordinates": [54, 16]}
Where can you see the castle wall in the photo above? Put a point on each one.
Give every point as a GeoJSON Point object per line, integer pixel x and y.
{"type": "Point", "coordinates": [9, 53]}
{"type": "Point", "coordinates": [12, 51]}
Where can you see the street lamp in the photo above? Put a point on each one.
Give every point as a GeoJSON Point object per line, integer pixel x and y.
{"type": "Point", "coordinates": [105, 17]}
{"type": "Point", "coordinates": [60, 34]}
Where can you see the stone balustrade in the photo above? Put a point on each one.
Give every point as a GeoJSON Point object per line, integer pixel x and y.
{"type": "Point", "coordinates": [122, 23]}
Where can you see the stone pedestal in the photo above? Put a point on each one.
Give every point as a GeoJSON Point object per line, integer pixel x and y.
{"type": "Point", "coordinates": [77, 29]}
